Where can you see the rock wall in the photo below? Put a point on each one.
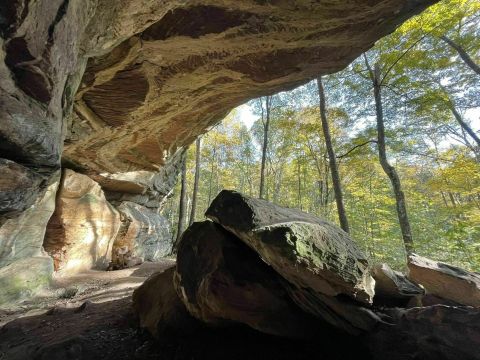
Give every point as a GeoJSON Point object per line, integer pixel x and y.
{"type": "Point", "coordinates": [24, 265]}
{"type": "Point", "coordinates": [82, 230]}
{"type": "Point", "coordinates": [86, 231]}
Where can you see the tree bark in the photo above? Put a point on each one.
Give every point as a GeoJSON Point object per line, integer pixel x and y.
{"type": "Point", "coordinates": [337, 187]}
{"type": "Point", "coordinates": [196, 180]}
{"type": "Point", "coordinates": [182, 208]}
{"type": "Point", "coordinates": [266, 125]}
{"type": "Point", "coordinates": [463, 54]}
{"type": "Point", "coordinates": [389, 169]}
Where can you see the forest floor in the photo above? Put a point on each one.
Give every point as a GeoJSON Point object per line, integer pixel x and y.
{"type": "Point", "coordinates": [89, 316]}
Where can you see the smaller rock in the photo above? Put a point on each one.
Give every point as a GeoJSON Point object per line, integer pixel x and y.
{"type": "Point", "coordinates": [444, 280]}
{"type": "Point", "coordinates": [159, 308]}
{"type": "Point", "coordinates": [392, 288]}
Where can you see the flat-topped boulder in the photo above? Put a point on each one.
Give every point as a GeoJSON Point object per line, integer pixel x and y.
{"type": "Point", "coordinates": [445, 281]}
{"type": "Point", "coordinates": [325, 272]}
{"type": "Point", "coordinates": [307, 251]}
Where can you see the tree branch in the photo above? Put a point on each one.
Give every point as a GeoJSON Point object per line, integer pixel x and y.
{"type": "Point", "coordinates": [356, 147]}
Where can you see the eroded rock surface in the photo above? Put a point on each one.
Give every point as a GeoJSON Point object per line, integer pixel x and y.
{"type": "Point", "coordinates": [82, 230]}
{"type": "Point", "coordinates": [185, 65]}
{"type": "Point", "coordinates": [24, 266]}
{"type": "Point", "coordinates": [145, 233]}
{"type": "Point", "coordinates": [445, 281]}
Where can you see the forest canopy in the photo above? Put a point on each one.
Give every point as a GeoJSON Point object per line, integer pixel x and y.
{"type": "Point", "coordinates": [413, 98]}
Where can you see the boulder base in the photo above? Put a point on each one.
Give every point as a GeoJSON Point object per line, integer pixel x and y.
{"type": "Point", "coordinates": [159, 309]}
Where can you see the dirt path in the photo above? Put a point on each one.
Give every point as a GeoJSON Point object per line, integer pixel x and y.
{"type": "Point", "coordinates": [95, 286]}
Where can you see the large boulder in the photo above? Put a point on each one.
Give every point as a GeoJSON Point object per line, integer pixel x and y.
{"type": "Point", "coordinates": [145, 233]}
{"type": "Point", "coordinates": [82, 230]}
{"type": "Point", "coordinates": [445, 281]}
{"type": "Point", "coordinates": [318, 258]}
{"type": "Point", "coordinates": [221, 280]}
{"type": "Point", "coordinates": [159, 308]}
{"type": "Point", "coordinates": [392, 287]}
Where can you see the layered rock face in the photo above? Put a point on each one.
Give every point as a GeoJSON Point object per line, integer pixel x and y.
{"type": "Point", "coordinates": [87, 232]}
{"type": "Point", "coordinates": [81, 232]}
{"type": "Point", "coordinates": [231, 273]}
{"type": "Point", "coordinates": [24, 265]}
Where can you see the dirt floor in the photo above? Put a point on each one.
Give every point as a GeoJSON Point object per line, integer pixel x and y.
{"type": "Point", "coordinates": [89, 316]}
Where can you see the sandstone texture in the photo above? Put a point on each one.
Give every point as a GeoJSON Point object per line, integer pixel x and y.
{"type": "Point", "coordinates": [24, 266]}
{"type": "Point", "coordinates": [445, 281]}
{"type": "Point", "coordinates": [83, 228]}
{"type": "Point", "coordinates": [21, 236]}
{"type": "Point", "coordinates": [144, 232]}
{"type": "Point", "coordinates": [221, 280]}
{"type": "Point", "coordinates": [391, 285]}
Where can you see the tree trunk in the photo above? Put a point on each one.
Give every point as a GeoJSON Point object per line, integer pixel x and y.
{"type": "Point", "coordinates": [463, 54]}
{"type": "Point", "coordinates": [182, 208]}
{"type": "Point", "coordinates": [214, 152]}
{"type": "Point", "coordinates": [197, 178]}
{"type": "Point", "coordinates": [389, 169]}
{"type": "Point", "coordinates": [463, 124]}
{"type": "Point", "coordinates": [337, 187]}
{"type": "Point", "coordinates": [266, 124]}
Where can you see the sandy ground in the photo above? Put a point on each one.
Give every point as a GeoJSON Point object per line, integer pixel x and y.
{"type": "Point", "coordinates": [94, 285]}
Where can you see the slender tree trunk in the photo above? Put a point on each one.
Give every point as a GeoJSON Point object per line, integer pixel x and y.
{"type": "Point", "coordinates": [337, 187]}
{"type": "Point", "coordinates": [182, 213]}
{"type": "Point", "coordinates": [299, 193]}
{"type": "Point", "coordinates": [463, 124]}
{"type": "Point", "coordinates": [463, 54]}
{"type": "Point", "coordinates": [389, 169]}
{"type": "Point", "coordinates": [266, 125]}
{"type": "Point", "coordinates": [197, 178]}
{"type": "Point", "coordinates": [214, 153]}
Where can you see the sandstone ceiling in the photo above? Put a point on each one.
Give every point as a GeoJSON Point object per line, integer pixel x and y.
{"type": "Point", "coordinates": [176, 69]}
